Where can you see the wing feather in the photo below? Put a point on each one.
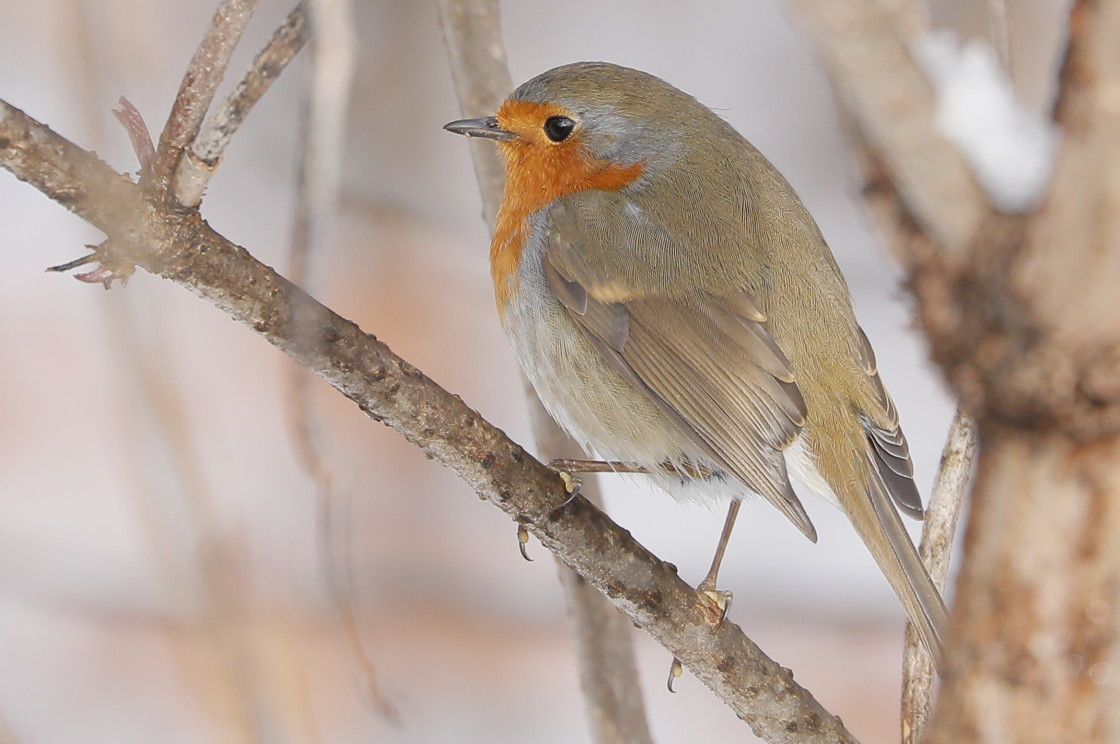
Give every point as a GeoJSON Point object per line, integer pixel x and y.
{"type": "Point", "coordinates": [891, 453]}
{"type": "Point", "coordinates": [707, 360]}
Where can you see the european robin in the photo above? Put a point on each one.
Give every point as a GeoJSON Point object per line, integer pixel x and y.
{"type": "Point", "coordinates": [679, 313]}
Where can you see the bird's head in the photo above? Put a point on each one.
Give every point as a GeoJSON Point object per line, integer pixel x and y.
{"type": "Point", "coordinates": [590, 125]}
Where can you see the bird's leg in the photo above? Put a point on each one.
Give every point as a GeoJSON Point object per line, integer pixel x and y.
{"type": "Point", "coordinates": [614, 466]}
{"type": "Point", "coordinates": [595, 466]}
{"type": "Point", "coordinates": [568, 468]}
{"type": "Point", "coordinates": [714, 602]}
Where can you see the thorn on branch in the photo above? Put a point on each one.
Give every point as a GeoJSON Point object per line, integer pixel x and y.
{"type": "Point", "coordinates": [138, 134]}
{"type": "Point", "coordinates": [111, 268]}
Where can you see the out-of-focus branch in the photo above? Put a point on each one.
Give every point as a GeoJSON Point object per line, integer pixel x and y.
{"type": "Point", "coordinates": [181, 247]}
{"type": "Point", "coordinates": [891, 101]}
{"type": "Point", "coordinates": [203, 157]}
{"type": "Point", "coordinates": [329, 23]}
{"type": "Point", "coordinates": [201, 562]}
{"type": "Point", "coordinates": [940, 527]}
{"type": "Point", "coordinates": [480, 69]}
{"type": "Point", "coordinates": [604, 647]}
{"type": "Point", "coordinates": [204, 74]}
{"type": "Point", "coordinates": [1022, 320]}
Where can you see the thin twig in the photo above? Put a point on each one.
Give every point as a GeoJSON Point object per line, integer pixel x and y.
{"type": "Point", "coordinates": [938, 532]}
{"type": "Point", "coordinates": [185, 250]}
{"type": "Point", "coordinates": [1001, 36]}
{"type": "Point", "coordinates": [203, 157]}
{"type": "Point", "coordinates": [133, 122]}
{"type": "Point", "coordinates": [604, 647]}
{"type": "Point", "coordinates": [200, 82]}
{"type": "Point", "coordinates": [608, 671]}
{"type": "Point", "coordinates": [328, 22]}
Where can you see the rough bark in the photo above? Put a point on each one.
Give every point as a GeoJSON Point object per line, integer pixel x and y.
{"type": "Point", "coordinates": [1034, 637]}
{"type": "Point", "coordinates": [1020, 312]}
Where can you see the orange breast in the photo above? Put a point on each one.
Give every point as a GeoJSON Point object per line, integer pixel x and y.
{"type": "Point", "coordinates": [539, 172]}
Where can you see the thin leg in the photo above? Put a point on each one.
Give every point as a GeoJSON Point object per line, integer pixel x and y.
{"type": "Point", "coordinates": [716, 603]}
{"type": "Point", "coordinates": [709, 582]}
{"type": "Point", "coordinates": [613, 466]}
{"type": "Point", "coordinates": [594, 466]}
{"type": "Point", "coordinates": [569, 468]}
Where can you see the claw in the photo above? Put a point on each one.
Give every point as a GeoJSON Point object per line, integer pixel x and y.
{"type": "Point", "coordinates": [522, 541]}
{"type": "Point", "coordinates": [571, 485]}
{"type": "Point", "coordinates": [675, 671]}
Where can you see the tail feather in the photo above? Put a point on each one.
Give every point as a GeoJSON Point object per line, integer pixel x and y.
{"type": "Point", "coordinates": [881, 529]}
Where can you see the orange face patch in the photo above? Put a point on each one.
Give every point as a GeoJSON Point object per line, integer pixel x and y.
{"type": "Point", "coordinates": [538, 172]}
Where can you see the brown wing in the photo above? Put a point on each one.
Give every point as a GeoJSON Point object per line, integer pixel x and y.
{"type": "Point", "coordinates": [706, 359]}
{"type": "Point", "coordinates": [888, 444]}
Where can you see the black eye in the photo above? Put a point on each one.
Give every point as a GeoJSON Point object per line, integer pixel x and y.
{"type": "Point", "coordinates": [557, 128]}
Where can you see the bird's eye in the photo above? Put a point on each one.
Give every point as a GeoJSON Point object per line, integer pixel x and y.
{"type": "Point", "coordinates": [557, 128]}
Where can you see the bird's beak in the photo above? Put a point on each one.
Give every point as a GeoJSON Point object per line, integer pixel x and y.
{"type": "Point", "coordinates": [486, 127]}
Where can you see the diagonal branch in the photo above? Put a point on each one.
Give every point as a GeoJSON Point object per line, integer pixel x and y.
{"type": "Point", "coordinates": [182, 248]}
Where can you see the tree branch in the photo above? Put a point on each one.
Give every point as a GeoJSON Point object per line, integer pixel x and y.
{"type": "Point", "coordinates": [200, 82]}
{"type": "Point", "coordinates": [179, 246]}
{"type": "Point", "coordinates": [867, 51]}
{"type": "Point", "coordinates": [1020, 313]}
{"type": "Point", "coordinates": [949, 488]}
{"type": "Point", "coordinates": [202, 159]}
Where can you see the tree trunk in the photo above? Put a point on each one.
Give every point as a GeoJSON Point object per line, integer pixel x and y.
{"type": "Point", "coordinates": [1033, 650]}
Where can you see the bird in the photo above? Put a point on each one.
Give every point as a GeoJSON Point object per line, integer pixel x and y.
{"type": "Point", "coordinates": [679, 313]}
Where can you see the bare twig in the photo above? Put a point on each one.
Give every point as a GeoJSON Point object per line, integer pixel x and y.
{"type": "Point", "coordinates": [938, 533]}
{"type": "Point", "coordinates": [172, 497]}
{"type": "Point", "coordinates": [184, 249]}
{"type": "Point", "coordinates": [202, 159]}
{"type": "Point", "coordinates": [199, 84]}
{"type": "Point", "coordinates": [608, 672]}
{"type": "Point", "coordinates": [604, 648]}
{"type": "Point", "coordinates": [133, 123]}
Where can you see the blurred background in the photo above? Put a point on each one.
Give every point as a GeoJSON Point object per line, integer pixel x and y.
{"type": "Point", "coordinates": [160, 574]}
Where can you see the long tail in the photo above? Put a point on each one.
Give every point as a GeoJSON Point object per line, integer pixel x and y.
{"type": "Point", "coordinates": [879, 525]}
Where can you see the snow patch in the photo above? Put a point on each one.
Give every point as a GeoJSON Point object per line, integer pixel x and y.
{"type": "Point", "coordinates": [1009, 149]}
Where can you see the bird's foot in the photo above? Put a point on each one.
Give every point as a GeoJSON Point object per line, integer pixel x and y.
{"type": "Point", "coordinates": [571, 484]}
{"type": "Point", "coordinates": [713, 603]}
{"type": "Point", "coordinates": [675, 671]}
{"type": "Point", "coordinates": [522, 541]}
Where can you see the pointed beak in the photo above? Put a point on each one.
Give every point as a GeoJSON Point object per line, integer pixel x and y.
{"type": "Point", "coordinates": [486, 127]}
